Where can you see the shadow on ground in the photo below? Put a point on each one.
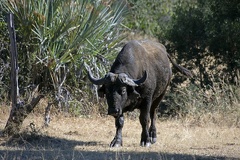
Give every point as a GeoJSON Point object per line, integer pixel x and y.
{"type": "Point", "coordinates": [29, 146]}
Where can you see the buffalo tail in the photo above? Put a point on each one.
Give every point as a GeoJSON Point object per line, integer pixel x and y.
{"type": "Point", "coordinates": [181, 69]}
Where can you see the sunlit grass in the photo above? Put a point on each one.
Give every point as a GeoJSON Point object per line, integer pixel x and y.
{"type": "Point", "coordinates": [218, 103]}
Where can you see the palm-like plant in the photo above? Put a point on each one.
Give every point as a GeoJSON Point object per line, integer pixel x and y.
{"type": "Point", "coordinates": [68, 32]}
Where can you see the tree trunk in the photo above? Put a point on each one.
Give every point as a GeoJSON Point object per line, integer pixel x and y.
{"type": "Point", "coordinates": [19, 110]}
{"type": "Point", "coordinates": [17, 116]}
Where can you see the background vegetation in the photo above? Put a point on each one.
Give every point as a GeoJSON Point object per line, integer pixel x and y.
{"type": "Point", "coordinates": [58, 40]}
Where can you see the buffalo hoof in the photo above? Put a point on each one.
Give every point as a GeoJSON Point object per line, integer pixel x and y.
{"type": "Point", "coordinates": [153, 140]}
{"type": "Point", "coordinates": [116, 143]}
{"type": "Point", "coordinates": [145, 144]}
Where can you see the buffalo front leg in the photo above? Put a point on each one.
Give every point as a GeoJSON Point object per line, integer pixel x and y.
{"type": "Point", "coordinates": [117, 141]}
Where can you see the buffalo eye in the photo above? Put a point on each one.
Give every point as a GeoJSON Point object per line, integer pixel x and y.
{"type": "Point", "coordinates": [123, 91]}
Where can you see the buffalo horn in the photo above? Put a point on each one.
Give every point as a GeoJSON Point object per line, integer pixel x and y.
{"type": "Point", "coordinates": [137, 82]}
{"type": "Point", "coordinates": [96, 81]}
{"type": "Point", "coordinates": [141, 80]}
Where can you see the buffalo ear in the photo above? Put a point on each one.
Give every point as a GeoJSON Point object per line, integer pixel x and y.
{"type": "Point", "coordinates": [101, 91]}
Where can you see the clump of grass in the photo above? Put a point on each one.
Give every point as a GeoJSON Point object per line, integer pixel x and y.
{"type": "Point", "coordinates": [218, 104]}
{"type": "Point", "coordinates": [86, 104]}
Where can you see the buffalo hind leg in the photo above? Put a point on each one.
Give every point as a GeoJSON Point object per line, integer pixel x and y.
{"type": "Point", "coordinates": [144, 120]}
{"type": "Point", "coordinates": [117, 140]}
{"type": "Point", "coordinates": [152, 129]}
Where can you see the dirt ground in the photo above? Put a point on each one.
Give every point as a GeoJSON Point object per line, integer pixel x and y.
{"type": "Point", "coordinates": [88, 139]}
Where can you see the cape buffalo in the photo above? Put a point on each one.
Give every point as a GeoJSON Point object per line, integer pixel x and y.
{"type": "Point", "coordinates": [138, 79]}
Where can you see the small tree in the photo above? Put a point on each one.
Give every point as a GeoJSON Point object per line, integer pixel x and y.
{"type": "Point", "coordinates": [19, 110]}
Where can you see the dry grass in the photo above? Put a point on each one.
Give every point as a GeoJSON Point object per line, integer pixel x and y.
{"type": "Point", "coordinates": [89, 138]}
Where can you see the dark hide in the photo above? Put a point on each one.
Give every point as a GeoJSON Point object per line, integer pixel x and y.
{"type": "Point", "coordinates": [138, 79]}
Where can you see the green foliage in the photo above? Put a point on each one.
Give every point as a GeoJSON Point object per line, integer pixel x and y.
{"type": "Point", "coordinates": [4, 58]}
{"type": "Point", "coordinates": [152, 17]}
{"type": "Point", "coordinates": [147, 15]}
{"type": "Point", "coordinates": [58, 38]}
{"type": "Point", "coordinates": [206, 30]}
{"type": "Point", "coordinates": [223, 31]}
